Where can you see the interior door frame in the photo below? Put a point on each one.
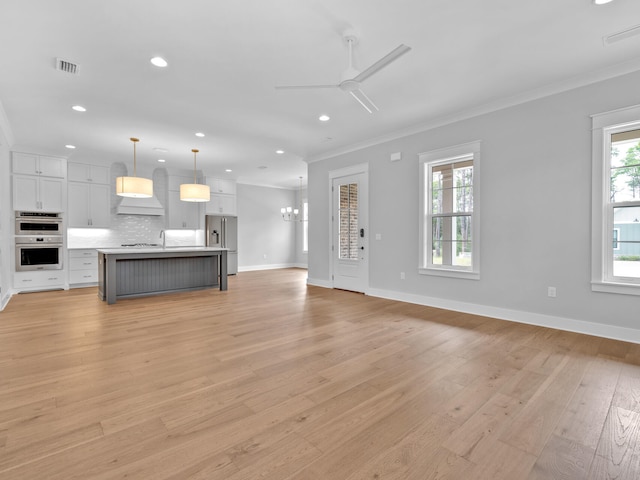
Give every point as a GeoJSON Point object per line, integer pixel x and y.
{"type": "Point", "coordinates": [361, 168]}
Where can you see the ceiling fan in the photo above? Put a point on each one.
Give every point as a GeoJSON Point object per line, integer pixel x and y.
{"type": "Point", "coordinates": [351, 78]}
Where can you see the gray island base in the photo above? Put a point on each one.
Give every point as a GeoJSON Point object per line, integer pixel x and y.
{"type": "Point", "coordinates": [136, 272]}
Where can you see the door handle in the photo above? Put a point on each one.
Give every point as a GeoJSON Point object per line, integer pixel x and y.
{"type": "Point", "coordinates": [362, 233]}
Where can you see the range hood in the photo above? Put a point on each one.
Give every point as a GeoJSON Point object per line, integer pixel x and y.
{"type": "Point", "coordinates": [140, 206]}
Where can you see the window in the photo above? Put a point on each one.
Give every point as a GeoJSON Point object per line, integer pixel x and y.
{"type": "Point", "coordinates": [616, 202]}
{"type": "Point", "coordinates": [449, 180]}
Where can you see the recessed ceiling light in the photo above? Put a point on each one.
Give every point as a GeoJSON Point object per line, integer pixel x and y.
{"type": "Point", "coordinates": [160, 150]}
{"type": "Point", "coordinates": [161, 160]}
{"type": "Point", "coordinates": [79, 108]}
{"type": "Point", "coordinates": [324, 118]}
{"type": "Point", "coordinates": [70, 147]}
{"type": "Point", "coordinates": [601, 2]}
{"type": "Point", "coordinates": [199, 134]}
{"type": "Point", "coordinates": [159, 62]}
{"type": "Point", "coordinates": [228, 170]}
{"type": "Point", "coordinates": [279, 152]}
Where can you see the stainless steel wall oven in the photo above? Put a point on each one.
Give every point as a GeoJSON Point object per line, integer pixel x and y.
{"type": "Point", "coordinates": [38, 252]}
{"type": "Point", "coordinates": [38, 223]}
{"type": "Point", "coordinates": [38, 241]}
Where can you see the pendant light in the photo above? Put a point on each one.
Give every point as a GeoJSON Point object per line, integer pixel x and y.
{"type": "Point", "coordinates": [134, 186]}
{"type": "Point", "coordinates": [194, 192]}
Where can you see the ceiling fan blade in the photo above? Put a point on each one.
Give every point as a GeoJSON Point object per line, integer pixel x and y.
{"type": "Point", "coordinates": [365, 101]}
{"type": "Point", "coordinates": [292, 87]}
{"type": "Point", "coordinates": [383, 62]}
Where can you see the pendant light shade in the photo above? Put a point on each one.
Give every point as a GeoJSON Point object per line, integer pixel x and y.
{"type": "Point", "coordinates": [134, 186]}
{"type": "Point", "coordinates": [194, 192]}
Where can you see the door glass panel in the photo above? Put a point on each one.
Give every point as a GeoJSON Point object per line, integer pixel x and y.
{"type": "Point", "coordinates": [348, 215]}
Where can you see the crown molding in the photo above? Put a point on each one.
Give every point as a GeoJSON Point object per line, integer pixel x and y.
{"type": "Point", "coordinates": [572, 83]}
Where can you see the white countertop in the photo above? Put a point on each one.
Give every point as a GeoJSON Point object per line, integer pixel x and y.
{"type": "Point", "coordinates": [136, 250]}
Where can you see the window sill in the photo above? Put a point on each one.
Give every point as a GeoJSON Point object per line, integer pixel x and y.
{"type": "Point", "coordinates": [442, 272]}
{"type": "Point", "coordinates": [620, 288]}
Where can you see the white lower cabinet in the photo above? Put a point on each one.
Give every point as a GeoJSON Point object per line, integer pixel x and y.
{"type": "Point", "coordinates": [83, 267]}
{"type": "Point", "coordinates": [40, 280]}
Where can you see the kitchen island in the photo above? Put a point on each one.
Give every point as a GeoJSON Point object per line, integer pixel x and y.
{"type": "Point", "coordinates": [133, 272]}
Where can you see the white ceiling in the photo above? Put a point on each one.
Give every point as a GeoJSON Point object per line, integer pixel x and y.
{"type": "Point", "coordinates": [225, 57]}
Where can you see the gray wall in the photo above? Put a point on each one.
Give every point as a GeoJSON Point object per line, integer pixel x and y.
{"type": "Point", "coordinates": [535, 208]}
{"type": "Point", "coordinates": [261, 230]}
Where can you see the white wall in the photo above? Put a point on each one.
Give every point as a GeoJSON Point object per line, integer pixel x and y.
{"type": "Point", "coordinates": [301, 255]}
{"type": "Point", "coordinates": [6, 215]}
{"type": "Point", "coordinates": [536, 210]}
{"type": "Point", "coordinates": [261, 230]}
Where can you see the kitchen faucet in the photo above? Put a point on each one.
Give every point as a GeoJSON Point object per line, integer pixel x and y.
{"type": "Point", "coordinates": [163, 236]}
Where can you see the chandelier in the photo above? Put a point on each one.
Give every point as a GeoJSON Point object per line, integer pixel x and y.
{"type": "Point", "coordinates": [290, 214]}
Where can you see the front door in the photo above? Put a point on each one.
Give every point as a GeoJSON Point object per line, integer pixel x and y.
{"type": "Point", "coordinates": [350, 232]}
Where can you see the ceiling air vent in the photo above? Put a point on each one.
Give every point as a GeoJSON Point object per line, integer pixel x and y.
{"type": "Point", "coordinates": [622, 35]}
{"type": "Point", "coordinates": [66, 66]}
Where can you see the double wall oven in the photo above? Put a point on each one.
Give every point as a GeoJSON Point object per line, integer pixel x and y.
{"type": "Point", "coordinates": [39, 241]}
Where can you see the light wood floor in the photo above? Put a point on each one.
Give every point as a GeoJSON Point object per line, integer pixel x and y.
{"type": "Point", "coordinates": [277, 380]}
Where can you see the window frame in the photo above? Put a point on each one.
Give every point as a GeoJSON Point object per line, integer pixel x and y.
{"type": "Point", "coordinates": [428, 160]}
{"type": "Point", "coordinates": [602, 222]}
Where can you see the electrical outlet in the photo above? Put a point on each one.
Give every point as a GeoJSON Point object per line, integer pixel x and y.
{"type": "Point", "coordinates": [378, 236]}
{"type": "Point", "coordinates": [401, 275]}
{"type": "Point", "coordinates": [264, 256]}
{"type": "Point", "coordinates": [551, 292]}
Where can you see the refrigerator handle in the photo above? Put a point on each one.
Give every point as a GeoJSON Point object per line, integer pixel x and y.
{"type": "Point", "coordinates": [224, 233]}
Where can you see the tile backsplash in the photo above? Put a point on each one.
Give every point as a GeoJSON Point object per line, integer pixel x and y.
{"type": "Point", "coordinates": [127, 229]}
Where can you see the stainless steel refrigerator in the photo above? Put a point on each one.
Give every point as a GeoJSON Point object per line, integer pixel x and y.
{"type": "Point", "coordinates": [222, 231]}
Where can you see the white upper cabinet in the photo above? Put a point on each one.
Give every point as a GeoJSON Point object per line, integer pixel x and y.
{"type": "Point", "coordinates": [31, 164]}
{"type": "Point", "coordinates": [221, 203]}
{"type": "Point", "coordinates": [89, 205]}
{"type": "Point", "coordinates": [181, 214]}
{"type": "Point", "coordinates": [223, 196]}
{"type": "Point", "coordinates": [84, 172]}
{"type": "Point", "coordinates": [221, 185]}
{"type": "Point", "coordinates": [89, 195]}
{"type": "Point", "coordinates": [38, 194]}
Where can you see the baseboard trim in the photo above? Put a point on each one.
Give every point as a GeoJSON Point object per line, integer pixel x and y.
{"type": "Point", "coordinates": [4, 301]}
{"type": "Point", "coordinates": [274, 266]}
{"type": "Point", "coordinates": [559, 323]}
{"type": "Point", "coordinates": [315, 282]}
